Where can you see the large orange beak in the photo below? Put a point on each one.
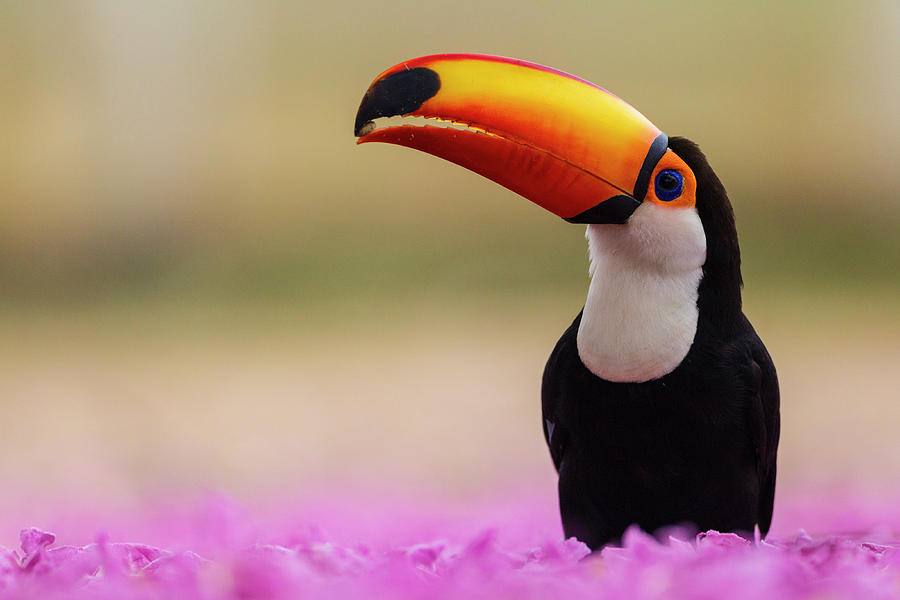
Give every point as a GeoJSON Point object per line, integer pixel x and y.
{"type": "Point", "coordinates": [563, 143]}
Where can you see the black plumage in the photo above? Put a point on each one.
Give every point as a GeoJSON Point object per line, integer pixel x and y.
{"type": "Point", "coordinates": [696, 446]}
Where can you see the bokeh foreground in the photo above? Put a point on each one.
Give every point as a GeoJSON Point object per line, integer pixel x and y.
{"type": "Point", "coordinates": [498, 549]}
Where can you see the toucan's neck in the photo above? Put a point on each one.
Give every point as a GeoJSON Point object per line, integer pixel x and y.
{"type": "Point", "coordinates": [641, 313]}
{"type": "Point", "coordinates": [720, 289]}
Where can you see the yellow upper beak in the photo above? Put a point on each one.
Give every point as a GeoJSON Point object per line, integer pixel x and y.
{"type": "Point", "coordinates": [564, 143]}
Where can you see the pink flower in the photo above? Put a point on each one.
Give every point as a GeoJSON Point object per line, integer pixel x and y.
{"type": "Point", "coordinates": [479, 556]}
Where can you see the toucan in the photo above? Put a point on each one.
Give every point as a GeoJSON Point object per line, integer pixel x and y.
{"type": "Point", "coordinates": [660, 402]}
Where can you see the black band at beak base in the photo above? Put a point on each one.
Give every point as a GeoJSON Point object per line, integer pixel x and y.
{"type": "Point", "coordinates": [615, 210]}
{"type": "Point", "coordinates": [656, 151]}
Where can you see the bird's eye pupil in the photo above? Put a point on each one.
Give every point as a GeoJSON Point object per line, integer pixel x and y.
{"type": "Point", "coordinates": [668, 182]}
{"type": "Point", "coordinates": [669, 185]}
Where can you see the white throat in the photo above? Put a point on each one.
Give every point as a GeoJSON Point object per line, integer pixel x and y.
{"type": "Point", "coordinates": [641, 312]}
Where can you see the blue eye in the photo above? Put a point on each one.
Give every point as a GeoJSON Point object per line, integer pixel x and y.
{"type": "Point", "coordinates": [669, 185]}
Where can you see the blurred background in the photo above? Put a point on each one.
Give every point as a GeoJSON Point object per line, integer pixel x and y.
{"type": "Point", "coordinates": [205, 284]}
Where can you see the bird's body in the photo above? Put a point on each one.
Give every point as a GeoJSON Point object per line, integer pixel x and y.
{"type": "Point", "coordinates": [695, 446]}
{"type": "Point", "coordinates": [692, 447]}
{"type": "Point", "coordinates": [660, 402]}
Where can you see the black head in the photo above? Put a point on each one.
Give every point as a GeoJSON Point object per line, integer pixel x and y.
{"type": "Point", "coordinates": [720, 288]}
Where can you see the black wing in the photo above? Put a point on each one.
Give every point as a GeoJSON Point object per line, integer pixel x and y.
{"type": "Point", "coordinates": [765, 428]}
{"type": "Point", "coordinates": [555, 433]}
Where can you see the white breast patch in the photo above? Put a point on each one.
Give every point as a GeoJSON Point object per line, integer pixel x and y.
{"type": "Point", "coordinates": [641, 312]}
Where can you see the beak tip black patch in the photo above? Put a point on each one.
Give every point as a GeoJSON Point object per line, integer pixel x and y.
{"type": "Point", "coordinates": [397, 94]}
{"type": "Point", "coordinates": [366, 128]}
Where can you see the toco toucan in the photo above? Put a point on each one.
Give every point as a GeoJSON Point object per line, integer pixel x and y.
{"type": "Point", "coordinates": [660, 402]}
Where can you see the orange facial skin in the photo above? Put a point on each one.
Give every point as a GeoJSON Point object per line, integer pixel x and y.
{"type": "Point", "coordinates": [688, 197]}
{"type": "Point", "coordinates": [561, 142]}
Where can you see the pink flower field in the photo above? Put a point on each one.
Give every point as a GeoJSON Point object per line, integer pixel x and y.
{"type": "Point", "coordinates": [342, 545]}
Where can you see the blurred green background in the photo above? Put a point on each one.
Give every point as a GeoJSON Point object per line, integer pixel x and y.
{"type": "Point", "coordinates": [203, 281]}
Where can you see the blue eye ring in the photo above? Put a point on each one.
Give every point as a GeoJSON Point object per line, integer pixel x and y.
{"type": "Point", "coordinates": [669, 185]}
